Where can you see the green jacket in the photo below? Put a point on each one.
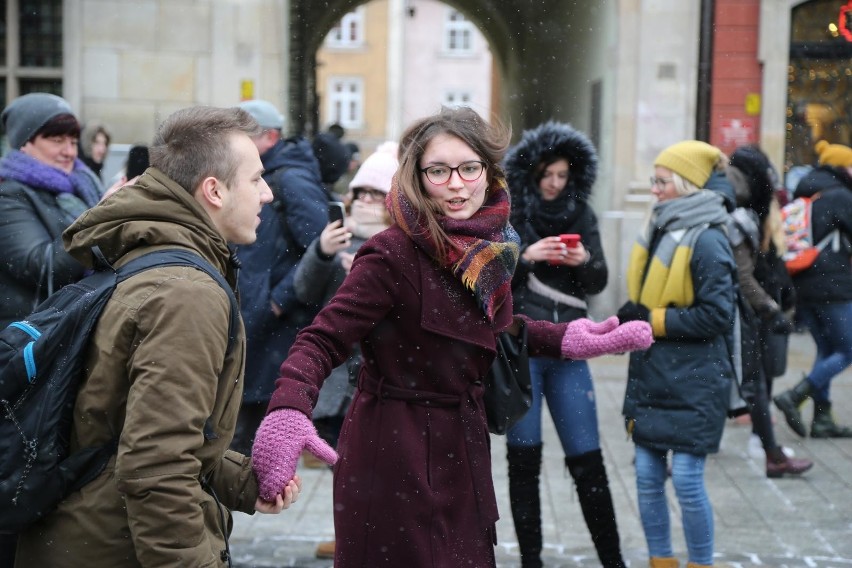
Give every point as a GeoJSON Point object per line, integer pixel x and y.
{"type": "Point", "coordinates": [157, 374]}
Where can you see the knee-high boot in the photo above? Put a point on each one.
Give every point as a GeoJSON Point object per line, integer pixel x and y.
{"type": "Point", "coordinates": [592, 484]}
{"type": "Point", "coordinates": [524, 471]}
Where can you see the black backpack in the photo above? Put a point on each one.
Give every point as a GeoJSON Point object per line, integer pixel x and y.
{"type": "Point", "coordinates": [42, 360]}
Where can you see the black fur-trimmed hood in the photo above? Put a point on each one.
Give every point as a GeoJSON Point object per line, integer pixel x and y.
{"type": "Point", "coordinates": [550, 138]}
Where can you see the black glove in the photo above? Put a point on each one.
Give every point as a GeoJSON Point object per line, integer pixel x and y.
{"type": "Point", "coordinates": [779, 323]}
{"type": "Point", "coordinates": [631, 311]}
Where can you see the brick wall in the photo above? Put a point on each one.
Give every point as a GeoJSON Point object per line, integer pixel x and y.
{"type": "Point", "coordinates": [736, 75]}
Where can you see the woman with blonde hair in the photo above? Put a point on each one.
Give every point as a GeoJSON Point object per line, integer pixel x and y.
{"type": "Point", "coordinates": [681, 279]}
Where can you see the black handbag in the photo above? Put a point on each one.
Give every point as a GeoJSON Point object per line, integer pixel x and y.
{"type": "Point", "coordinates": [508, 392]}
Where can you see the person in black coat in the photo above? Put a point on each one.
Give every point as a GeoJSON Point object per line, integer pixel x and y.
{"type": "Point", "coordinates": [767, 299]}
{"type": "Point", "coordinates": [824, 291]}
{"type": "Point", "coordinates": [44, 188]}
{"type": "Point", "coordinates": [550, 174]}
{"type": "Point", "coordinates": [271, 309]}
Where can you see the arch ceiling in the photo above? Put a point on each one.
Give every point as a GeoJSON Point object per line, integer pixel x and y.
{"type": "Point", "coordinates": [527, 38]}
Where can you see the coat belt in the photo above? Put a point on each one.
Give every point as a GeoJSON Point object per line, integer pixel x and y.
{"type": "Point", "coordinates": [477, 442]}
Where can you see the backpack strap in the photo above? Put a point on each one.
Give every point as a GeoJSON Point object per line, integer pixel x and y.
{"type": "Point", "coordinates": [183, 257]}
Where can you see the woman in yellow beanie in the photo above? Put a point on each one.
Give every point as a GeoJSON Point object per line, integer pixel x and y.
{"type": "Point", "coordinates": [680, 278]}
{"type": "Point", "coordinates": [824, 291]}
{"type": "Point", "coordinates": [833, 155]}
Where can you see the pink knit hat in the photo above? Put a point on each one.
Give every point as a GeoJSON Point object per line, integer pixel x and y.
{"type": "Point", "coordinates": [377, 170]}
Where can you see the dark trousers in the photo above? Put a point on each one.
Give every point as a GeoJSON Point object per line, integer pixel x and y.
{"type": "Point", "coordinates": [249, 419]}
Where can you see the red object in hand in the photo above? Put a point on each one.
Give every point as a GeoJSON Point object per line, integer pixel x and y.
{"type": "Point", "coordinates": [570, 240]}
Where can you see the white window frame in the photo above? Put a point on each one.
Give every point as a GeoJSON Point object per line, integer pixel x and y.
{"type": "Point", "coordinates": [458, 33]}
{"type": "Point", "coordinates": [349, 31]}
{"type": "Point", "coordinates": [345, 105]}
{"type": "Point", "coordinates": [457, 98]}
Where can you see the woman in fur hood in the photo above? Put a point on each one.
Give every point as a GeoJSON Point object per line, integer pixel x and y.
{"type": "Point", "coordinates": [550, 174]}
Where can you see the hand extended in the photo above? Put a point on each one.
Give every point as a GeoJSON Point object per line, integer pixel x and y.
{"type": "Point", "coordinates": [334, 238]}
{"type": "Point", "coordinates": [585, 339]}
{"type": "Point", "coordinates": [632, 311]}
{"type": "Point", "coordinates": [279, 441]}
{"type": "Point", "coordinates": [282, 501]}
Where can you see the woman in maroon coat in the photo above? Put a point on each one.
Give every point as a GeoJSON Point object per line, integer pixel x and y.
{"type": "Point", "coordinates": [425, 299]}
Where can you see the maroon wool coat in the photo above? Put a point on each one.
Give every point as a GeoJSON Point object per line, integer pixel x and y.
{"type": "Point", "coordinates": [413, 484]}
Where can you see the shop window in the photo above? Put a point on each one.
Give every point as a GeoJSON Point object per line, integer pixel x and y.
{"type": "Point", "coordinates": [819, 103]}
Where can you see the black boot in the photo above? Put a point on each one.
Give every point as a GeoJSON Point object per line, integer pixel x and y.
{"type": "Point", "coordinates": [590, 478]}
{"type": "Point", "coordinates": [824, 425]}
{"type": "Point", "coordinates": [524, 470]}
{"type": "Point", "coordinates": [789, 401]}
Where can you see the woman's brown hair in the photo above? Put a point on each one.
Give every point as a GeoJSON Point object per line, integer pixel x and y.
{"type": "Point", "coordinates": [488, 140]}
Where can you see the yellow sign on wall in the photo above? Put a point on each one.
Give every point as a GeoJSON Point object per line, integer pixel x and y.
{"type": "Point", "coordinates": [246, 90]}
{"type": "Point", "coordinates": [752, 104]}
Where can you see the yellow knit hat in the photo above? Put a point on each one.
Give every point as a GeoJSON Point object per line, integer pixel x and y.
{"type": "Point", "coordinates": [836, 155]}
{"type": "Point", "coordinates": [691, 159]}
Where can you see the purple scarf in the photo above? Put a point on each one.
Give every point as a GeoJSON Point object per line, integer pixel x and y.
{"type": "Point", "coordinates": [25, 169]}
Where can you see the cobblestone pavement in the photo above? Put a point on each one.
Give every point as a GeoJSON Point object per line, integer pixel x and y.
{"type": "Point", "coordinates": [782, 523]}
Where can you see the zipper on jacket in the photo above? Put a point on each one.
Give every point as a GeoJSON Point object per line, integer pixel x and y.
{"type": "Point", "coordinates": [29, 361]}
{"type": "Point", "coordinates": [26, 328]}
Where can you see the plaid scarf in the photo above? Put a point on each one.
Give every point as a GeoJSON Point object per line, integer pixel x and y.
{"type": "Point", "coordinates": [484, 249]}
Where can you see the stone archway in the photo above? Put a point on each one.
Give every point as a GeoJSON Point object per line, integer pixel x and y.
{"type": "Point", "coordinates": [541, 49]}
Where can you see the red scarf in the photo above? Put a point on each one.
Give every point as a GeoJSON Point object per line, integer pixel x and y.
{"type": "Point", "coordinates": [484, 249]}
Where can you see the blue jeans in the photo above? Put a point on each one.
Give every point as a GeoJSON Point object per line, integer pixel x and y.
{"type": "Point", "coordinates": [696, 511]}
{"type": "Point", "coordinates": [567, 386]}
{"type": "Point", "coordinates": [829, 325]}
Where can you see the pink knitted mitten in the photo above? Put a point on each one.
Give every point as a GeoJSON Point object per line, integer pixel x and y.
{"type": "Point", "coordinates": [277, 445]}
{"type": "Point", "coordinates": [585, 339]}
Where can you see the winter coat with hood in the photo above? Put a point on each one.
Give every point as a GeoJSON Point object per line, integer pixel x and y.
{"type": "Point", "coordinates": [535, 218]}
{"type": "Point", "coordinates": [160, 380]}
{"type": "Point", "coordinates": [829, 279]}
{"type": "Point", "coordinates": [295, 217]}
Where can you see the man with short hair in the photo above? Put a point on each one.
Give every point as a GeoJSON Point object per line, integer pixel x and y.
{"type": "Point", "coordinates": [160, 378]}
{"type": "Point", "coordinates": [297, 215]}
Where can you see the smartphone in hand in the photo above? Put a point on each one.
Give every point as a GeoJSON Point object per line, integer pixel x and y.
{"type": "Point", "coordinates": [570, 240]}
{"type": "Point", "coordinates": [336, 211]}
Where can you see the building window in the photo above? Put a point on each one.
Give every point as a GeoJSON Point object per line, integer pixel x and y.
{"type": "Point", "coordinates": [30, 48]}
{"type": "Point", "coordinates": [458, 33]}
{"type": "Point", "coordinates": [346, 101]}
{"type": "Point", "coordinates": [348, 32]}
{"type": "Point", "coordinates": [456, 98]}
